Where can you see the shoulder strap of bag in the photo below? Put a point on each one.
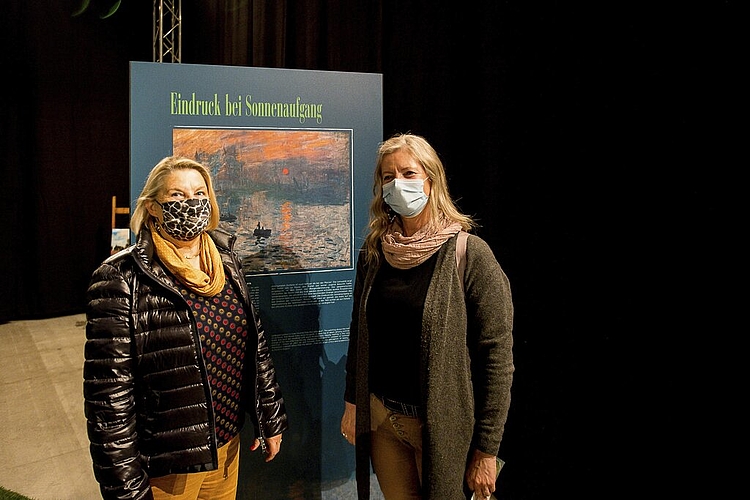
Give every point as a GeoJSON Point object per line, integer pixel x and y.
{"type": "Point", "coordinates": [461, 255]}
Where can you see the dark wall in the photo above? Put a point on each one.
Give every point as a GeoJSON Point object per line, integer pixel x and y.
{"type": "Point", "coordinates": [65, 146]}
{"type": "Point", "coordinates": [595, 144]}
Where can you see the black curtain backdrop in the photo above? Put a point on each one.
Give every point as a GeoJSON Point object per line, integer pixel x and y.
{"type": "Point", "coordinates": [596, 144]}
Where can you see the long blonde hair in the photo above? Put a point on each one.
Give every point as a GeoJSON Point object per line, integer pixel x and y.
{"type": "Point", "coordinates": [156, 182]}
{"type": "Point", "coordinates": [440, 204]}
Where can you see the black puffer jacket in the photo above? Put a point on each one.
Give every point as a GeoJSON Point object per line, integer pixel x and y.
{"type": "Point", "coordinates": [147, 396]}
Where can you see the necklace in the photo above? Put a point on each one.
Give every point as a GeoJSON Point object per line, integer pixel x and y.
{"type": "Point", "coordinates": [191, 256]}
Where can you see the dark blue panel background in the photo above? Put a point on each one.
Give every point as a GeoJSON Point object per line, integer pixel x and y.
{"type": "Point", "coordinates": [314, 457]}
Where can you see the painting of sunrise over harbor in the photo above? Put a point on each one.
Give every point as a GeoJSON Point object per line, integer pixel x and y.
{"type": "Point", "coordinates": [286, 194]}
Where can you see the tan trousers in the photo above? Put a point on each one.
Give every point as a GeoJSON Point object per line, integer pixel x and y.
{"type": "Point", "coordinates": [219, 484]}
{"type": "Point", "coordinates": [396, 452]}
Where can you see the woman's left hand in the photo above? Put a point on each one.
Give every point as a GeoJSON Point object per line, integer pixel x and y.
{"type": "Point", "coordinates": [481, 474]}
{"type": "Point", "coordinates": [273, 445]}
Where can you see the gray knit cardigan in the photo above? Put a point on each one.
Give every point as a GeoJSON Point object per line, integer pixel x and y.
{"type": "Point", "coordinates": [466, 367]}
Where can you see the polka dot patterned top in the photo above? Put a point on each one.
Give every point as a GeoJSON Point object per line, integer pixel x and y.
{"type": "Point", "coordinates": [222, 325]}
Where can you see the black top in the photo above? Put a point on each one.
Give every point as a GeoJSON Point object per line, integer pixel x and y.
{"type": "Point", "coordinates": [394, 316]}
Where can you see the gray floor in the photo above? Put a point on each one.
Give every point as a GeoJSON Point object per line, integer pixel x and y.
{"type": "Point", "coordinates": [44, 452]}
{"type": "Point", "coordinates": [43, 443]}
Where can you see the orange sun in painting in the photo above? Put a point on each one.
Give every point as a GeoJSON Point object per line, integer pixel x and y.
{"type": "Point", "coordinates": [285, 171]}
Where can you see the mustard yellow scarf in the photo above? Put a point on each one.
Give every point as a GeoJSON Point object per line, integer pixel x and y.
{"type": "Point", "coordinates": [208, 280]}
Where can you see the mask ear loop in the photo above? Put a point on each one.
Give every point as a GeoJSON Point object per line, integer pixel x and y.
{"type": "Point", "coordinates": [155, 219]}
{"type": "Point", "coordinates": [390, 213]}
{"type": "Point", "coordinates": [157, 225]}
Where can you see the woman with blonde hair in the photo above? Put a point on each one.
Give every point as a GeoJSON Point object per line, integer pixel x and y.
{"type": "Point", "coordinates": [175, 352]}
{"type": "Point", "coordinates": [430, 362]}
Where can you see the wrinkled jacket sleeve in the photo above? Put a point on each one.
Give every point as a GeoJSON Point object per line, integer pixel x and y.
{"type": "Point", "coordinates": [108, 388]}
{"type": "Point", "coordinates": [350, 391]}
{"type": "Point", "coordinates": [490, 311]}
{"type": "Point", "coordinates": [271, 408]}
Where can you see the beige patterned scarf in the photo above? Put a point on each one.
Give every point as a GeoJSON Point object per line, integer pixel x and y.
{"type": "Point", "coordinates": [208, 280]}
{"type": "Point", "coordinates": [405, 252]}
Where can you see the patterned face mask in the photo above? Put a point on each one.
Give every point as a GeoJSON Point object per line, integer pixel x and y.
{"type": "Point", "coordinates": [185, 219]}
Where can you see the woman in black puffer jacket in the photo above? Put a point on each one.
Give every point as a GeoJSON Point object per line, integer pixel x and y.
{"type": "Point", "coordinates": [175, 351]}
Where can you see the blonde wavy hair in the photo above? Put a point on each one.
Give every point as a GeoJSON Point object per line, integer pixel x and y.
{"type": "Point", "coordinates": [440, 204]}
{"type": "Point", "coordinates": [156, 183]}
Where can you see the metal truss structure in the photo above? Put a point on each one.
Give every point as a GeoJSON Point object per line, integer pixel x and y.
{"type": "Point", "coordinates": [168, 31]}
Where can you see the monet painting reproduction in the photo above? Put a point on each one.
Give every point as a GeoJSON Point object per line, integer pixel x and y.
{"type": "Point", "coordinates": [285, 193]}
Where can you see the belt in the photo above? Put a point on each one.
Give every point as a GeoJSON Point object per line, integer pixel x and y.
{"type": "Point", "coordinates": [399, 407]}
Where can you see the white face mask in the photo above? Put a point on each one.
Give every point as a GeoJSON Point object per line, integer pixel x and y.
{"type": "Point", "coordinates": [405, 196]}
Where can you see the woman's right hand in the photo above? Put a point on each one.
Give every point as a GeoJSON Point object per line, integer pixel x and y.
{"type": "Point", "coordinates": [349, 422]}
